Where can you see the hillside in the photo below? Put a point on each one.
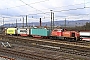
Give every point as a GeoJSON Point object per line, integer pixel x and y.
{"type": "Point", "coordinates": [57, 23]}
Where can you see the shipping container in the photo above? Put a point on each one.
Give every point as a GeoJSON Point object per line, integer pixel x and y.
{"type": "Point", "coordinates": [11, 31]}
{"type": "Point", "coordinates": [23, 31]}
{"type": "Point", "coordinates": [85, 35]}
{"type": "Point", "coordinates": [40, 31]}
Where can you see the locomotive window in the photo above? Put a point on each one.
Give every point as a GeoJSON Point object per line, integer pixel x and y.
{"type": "Point", "coordinates": [55, 30]}
{"type": "Point", "coordinates": [60, 30]}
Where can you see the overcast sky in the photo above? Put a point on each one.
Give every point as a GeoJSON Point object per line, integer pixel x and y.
{"type": "Point", "coordinates": [10, 10]}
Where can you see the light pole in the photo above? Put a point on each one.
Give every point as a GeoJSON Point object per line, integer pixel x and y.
{"type": "Point", "coordinates": [65, 22]}
{"type": "Point", "coordinates": [3, 21]}
{"type": "Point", "coordinates": [40, 22]}
{"type": "Point", "coordinates": [26, 20]}
{"type": "Point", "coordinates": [51, 19]}
{"type": "Point", "coordinates": [23, 22]}
{"type": "Point", "coordinates": [16, 23]}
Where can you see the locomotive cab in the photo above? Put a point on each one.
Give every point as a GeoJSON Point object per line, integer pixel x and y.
{"type": "Point", "coordinates": [71, 35]}
{"type": "Point", "coordinates": [57, 32]}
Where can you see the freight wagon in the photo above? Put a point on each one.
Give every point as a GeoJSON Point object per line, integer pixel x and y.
{"type": "Point", "coordinates": [23, 31]}
{"type": "Point", "coordinates": [45, 33]}
{"type": "Point", "coordinates": [11, 31]}
{"type": "Point", "coordinates": [85, 35]}
{"type": "Point", "coordinates": [40, 32]}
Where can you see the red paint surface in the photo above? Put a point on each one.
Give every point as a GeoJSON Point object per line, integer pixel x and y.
{"type": "Point", "coordinates": [24, 34]}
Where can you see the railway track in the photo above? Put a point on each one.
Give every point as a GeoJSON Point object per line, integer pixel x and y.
{"type": "Point", "coordinates": [67, 48]}
{"type": "Point", "coordinates": [42, 52]}
{"type": "Point", "coordinates": [79, 43]}
{"type": "Point", "coordinates": [25, 54]}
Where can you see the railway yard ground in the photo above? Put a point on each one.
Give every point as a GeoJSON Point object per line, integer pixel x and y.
{"type": "Point", "coordinates": [25, 48]}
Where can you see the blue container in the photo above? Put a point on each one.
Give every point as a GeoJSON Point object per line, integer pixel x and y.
{"type": "Point", "coordinates": [40, 31]}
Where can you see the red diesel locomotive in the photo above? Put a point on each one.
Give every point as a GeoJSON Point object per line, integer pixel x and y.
{"type": "Point", "coordinates": [66, 35]}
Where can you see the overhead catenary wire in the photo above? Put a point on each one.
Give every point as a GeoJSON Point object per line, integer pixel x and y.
{"type": "Point", "coordinates": [55, 16]}
{"type": "Point", "coordinates": [72, 9]}
{"type": "Point", "coordinates": [49, 12]}
{"type": "Point", "coordinates": [65, 6]}
{"type": "Point", "coordinates": [72, 5]}
{"type": "Point", "coordinates": [65, 9]}
{"type": "Point", "coordinates": [30, 6]}
{"type": "Point", "coordinates": [46, 9]}
{"type": "Point", "coordinates": [59, 11]}
{"type": "Point", "coordinates": [33, 7]}
{"type": "Point", "coordinates": [72, 15]}
{"type": "Point", "coordinates": [62, 10]}
{"type": "Point", "coordinates": [23, 5]}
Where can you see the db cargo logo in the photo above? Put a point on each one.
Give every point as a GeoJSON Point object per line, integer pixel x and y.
{"type": "Point", "coordinates": [23, 31]}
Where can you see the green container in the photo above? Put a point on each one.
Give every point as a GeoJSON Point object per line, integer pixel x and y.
{"type": "Point", "coordinates": [40, 31]}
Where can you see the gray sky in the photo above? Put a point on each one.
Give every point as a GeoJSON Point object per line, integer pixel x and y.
{"type": "Point", "coordinates": [11, 10]}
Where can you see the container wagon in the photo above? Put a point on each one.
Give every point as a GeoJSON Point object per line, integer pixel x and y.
{"type": "Point", "coordinates": [11, 31]}
{"type": "Point", "coordinates": [23, 31]}
{"type": "Point", "coordinates": [85, 35]}
{"type": "Point", "coordinates": [40, 32]}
